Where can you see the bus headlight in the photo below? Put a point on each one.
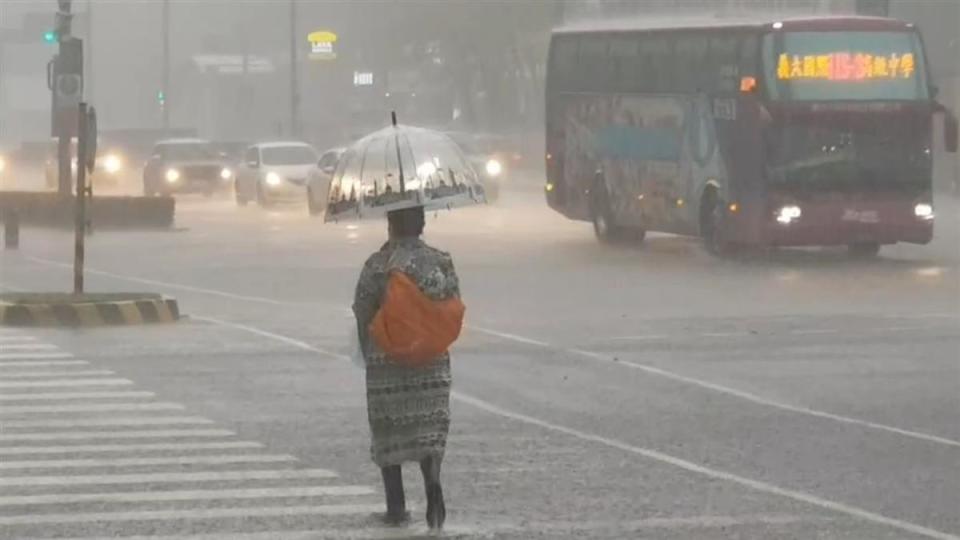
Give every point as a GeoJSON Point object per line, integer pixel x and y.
{"type": "Point", "coordinates": [273, 179]}
{"type": "Point", "coordinates": [788, 214]}
{"type": "Point", "coordinates": [923, 211]}
{"type": "Point", "coordinates": [226, 174]}
{"type": "Point", "coordinates": [172, 176]}
{"type": "Point", "coordinates": [112, 164]}
{"type": "Point", "coordinates": [494, 168]}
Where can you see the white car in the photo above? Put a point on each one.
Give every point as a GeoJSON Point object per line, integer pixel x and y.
{"type": "Point", "coordinates": [318, 182]}
{"type": "Point", "coordinates": [273, 172]}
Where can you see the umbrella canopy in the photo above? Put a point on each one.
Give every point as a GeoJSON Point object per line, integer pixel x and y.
{"type": "Point", "coordinates": [435, 174]}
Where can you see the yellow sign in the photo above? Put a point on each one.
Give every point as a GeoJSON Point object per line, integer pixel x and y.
{"type": "Point", "coordinates": [321, 45]}
{"type": "Point", "coordinates": [846, 66]}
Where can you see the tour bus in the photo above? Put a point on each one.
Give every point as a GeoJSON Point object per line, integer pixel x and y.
{"type": "Point", "coordinates": [803, 132]}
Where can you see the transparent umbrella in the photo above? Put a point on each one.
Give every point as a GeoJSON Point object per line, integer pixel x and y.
{"type": "Point", "coordinates": [402, 167]}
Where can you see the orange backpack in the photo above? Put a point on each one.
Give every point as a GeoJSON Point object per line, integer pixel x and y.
{"type": "Point", "coordinates": [410, 328]}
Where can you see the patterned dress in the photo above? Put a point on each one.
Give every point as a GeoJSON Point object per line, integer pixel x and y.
{"type": "Point", "coordinates": [408, 408]}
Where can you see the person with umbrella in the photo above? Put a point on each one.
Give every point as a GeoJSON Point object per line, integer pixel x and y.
{"type": "Point", "coordinates": [408, 407]}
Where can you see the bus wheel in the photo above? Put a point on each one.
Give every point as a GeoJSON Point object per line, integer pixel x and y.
{"type": "Point", "coordinates": [604, 227]}
{"type": "Point", "coordinates": [866, 250]}
{"type": "Point", "coordinates": [711, 226]}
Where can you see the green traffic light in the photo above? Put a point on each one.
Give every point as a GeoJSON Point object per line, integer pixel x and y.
{"type": "Point", "coordinates": [50, 36]}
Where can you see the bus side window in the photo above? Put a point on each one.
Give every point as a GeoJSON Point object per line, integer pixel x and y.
{"type": "Point", "coordinates": [750, 56]}
{"type": "Point", "coordinates": [656, 64]}
{"type": "Point", "coordinates": [564, 72]}
{"type": "Point", "coordinates": [594, 63]}
{"type": "Point", "coordinates": [723, 67]}
{"type": "Point", "coordinates": [690, 69]}
{"type": "Point", "coordinates": [625, 64]}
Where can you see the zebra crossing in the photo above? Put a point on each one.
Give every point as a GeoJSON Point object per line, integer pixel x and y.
{"type": "Point", "coordinates": [84, 453]}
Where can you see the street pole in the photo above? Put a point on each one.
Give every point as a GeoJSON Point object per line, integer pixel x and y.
{"type": "Point", "coordinates": [294, 81]}
{"type": "Point", "coordinates": [80, 202]}
{"type": "Point", "coordinates": [88, 77]}
{"type": "Point", "coordinates": [64, 178]}
{"type": "Point", "coordinates": [165, 84]}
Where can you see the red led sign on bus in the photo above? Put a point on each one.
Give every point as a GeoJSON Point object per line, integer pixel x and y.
{"type": "Point", "coordinates": [845, 66]}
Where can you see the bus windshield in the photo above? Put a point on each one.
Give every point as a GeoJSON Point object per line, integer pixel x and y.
{"type": "Point", "coordinates": [844, 66]}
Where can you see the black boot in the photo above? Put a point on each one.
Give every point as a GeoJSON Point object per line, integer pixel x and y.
{"type": "Point", "coordinates": [436, 510]}
{"type": "Point", "coordinates": [396, 502]}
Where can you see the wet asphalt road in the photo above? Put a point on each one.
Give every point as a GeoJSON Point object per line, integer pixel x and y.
{"type": "Point", "coordinates": [601, 392]}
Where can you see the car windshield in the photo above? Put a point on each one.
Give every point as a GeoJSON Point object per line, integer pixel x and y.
{"type": "Point", "coordinates": [847, 66]}
{"type": "Point", "coordinates": [188, 151]}
{"type": "Point", "coordinates": [288, 155]}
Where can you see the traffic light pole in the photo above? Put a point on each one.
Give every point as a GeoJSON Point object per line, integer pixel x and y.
{"type": "Point", "coordinates": [294, 78]}
{"type": "Point", "coordinates": [165, 83]}
{"type": "Point", "coordinates": [80, 202]}
{"type": "Point", "coordinates": [64, 178]}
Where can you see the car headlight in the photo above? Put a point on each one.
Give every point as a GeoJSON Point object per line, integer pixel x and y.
{"type": "Point", "coordinates": [273, 179]}
{"type": "Point", "coordinates": [923, 211]}
{"type": "Point", "coordinates": [788, 214]}
{"type": "Point", "coordinates": [172, 176]}
{"type": "Point", "coordinates": [112, 164]}
{"type": "Point", "coordinates": [494, 168]}
{"type": "Point", "coordinates": [226, 174]}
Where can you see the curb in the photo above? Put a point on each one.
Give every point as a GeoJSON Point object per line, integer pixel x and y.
{"type": "Point", "coordinates": [86, 314]}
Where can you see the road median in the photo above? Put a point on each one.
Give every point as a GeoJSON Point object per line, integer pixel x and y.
{"type": "Point", "coordinates": [49, 209]}
{"type": "Point", "coordinates": [86, 310]}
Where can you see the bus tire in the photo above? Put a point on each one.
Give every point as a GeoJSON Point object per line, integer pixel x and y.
{"type": "Point", "coordinates": [604, 226]}
{"type": "Point", "coordinates": [711, 225]}
{"type": "Point", "coordinates": [864, 250]}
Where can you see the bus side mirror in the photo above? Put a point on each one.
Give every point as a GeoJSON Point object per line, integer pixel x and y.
{"type": "Point", "coordinates": [950, 133]}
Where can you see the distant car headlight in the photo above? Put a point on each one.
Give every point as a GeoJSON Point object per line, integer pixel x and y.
{"type": "Point", "coordinates": [788, 214]}
{"type": "Point", "coordinates": [172, 176]}
{"type": "Point", "coordinates": [273, 179]}
{"type": "Point", "coordinates": [494, 168]}
{"type": "Point", "coordinates": [112, 163]}
{"type": "Point", "coordinates": [426, 169]}
{"type": "Point", "coordinates": [226, 174]}
{"type": "Point", "coordinates": [923, 211]}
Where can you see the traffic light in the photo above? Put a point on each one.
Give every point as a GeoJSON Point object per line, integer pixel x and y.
{"type": "Point", "coordinates": [50, 36]}
{"type": "Point", "coordinates": [161, 97]}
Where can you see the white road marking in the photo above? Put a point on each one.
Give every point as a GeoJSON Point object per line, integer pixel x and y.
{"type": "Point", "coordinates": [812, 331]}
{"type": "Point", "coordinates": [639, 338]}
{"type": "Point", "coordinates": [752, 397]}
{"type": "Point", "coordinates": [716, 474]}
{"type": "Point", "coordinates": [65, 382]}
{"type": "Point", "coordinates": [6, 347]}
{"type": "Point", "coordinates": [13, 338]}
{"type": "Point", "coordinates": [271, 335]}
{"type": "Point", "coordinates": [107, 448]}
{"type": "Point", "coordinates": [207, 513]}
{"type": "Point", "coordinates": [165, 477]}
{"type": "Point", "coordinates": [34, 355]}
{"type": "Point", "coordinates": [693, 467]}
{"type": "Point", "coordinates": [522, 529]}
{"type": "Point", "coordinates": [513, 337]}
{"type": "Point", "coordinates": [90, 407]}
{"type": "Point", "coordinates": [43, 363]}
{"type": "Point", "coordinates": [59, 373]}
{"type": "Point", "coordinates": [224, 459]}
{"type": "Point", "coordinates": [101, 422]}
{"type": "Point", "coordinates": [75, 395]}
{"type": "Point", "coordinates": [190, 288]}
{"type": "Point", "coordinates": [144, 434]}
{"type": "Point", "coordinates": [188, 495]}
